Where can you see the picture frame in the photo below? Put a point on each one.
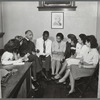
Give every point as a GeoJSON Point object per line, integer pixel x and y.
{"type": "Point", "coordinates": [57, 20]}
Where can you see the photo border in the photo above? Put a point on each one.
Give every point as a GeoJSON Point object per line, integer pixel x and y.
{"type": "Point", "coordinates": [55, 27]}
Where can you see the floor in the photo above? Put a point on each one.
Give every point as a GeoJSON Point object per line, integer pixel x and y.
{"type": "Point", "coordinates": [51, 89]}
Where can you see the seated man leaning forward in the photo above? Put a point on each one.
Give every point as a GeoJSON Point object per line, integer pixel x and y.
{"type": "Point", "coordinates": [27, 48]}
{"type": "Point", "coordinates": [43, 47]}
{"type": "Point", "coordinates": [27, 51]}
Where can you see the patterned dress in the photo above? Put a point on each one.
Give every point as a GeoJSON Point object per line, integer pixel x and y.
{"type": "Point", "coordinates": [58, 47]}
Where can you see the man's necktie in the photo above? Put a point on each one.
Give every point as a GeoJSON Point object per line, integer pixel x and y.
{"type": "Point", "coordinates": [44, 47]}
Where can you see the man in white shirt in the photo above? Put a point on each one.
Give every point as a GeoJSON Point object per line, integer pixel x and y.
{"type": "Point", "coordinates": [43, 48]}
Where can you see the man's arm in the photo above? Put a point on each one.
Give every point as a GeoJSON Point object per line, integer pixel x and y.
{"type": "Point", "coordinates": [49, 47]}
{"type": "Point", "coordinates": [37, 48]}
{"type": "Point", "coordinates": [33, 49]}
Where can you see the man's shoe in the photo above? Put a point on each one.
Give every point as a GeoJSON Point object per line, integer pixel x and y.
{"type": "Point", "coordinates": [52, 78]}
{"type": "Point", "coordinates": [36, 85]}
{"type": "Point", "coordinates": [44, 76]}
{"type": "Point", "coordinates": [48, 75]}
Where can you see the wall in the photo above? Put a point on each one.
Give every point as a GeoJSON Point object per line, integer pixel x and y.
{"type": "Point", "coordinates": [98, 24]}
{"type": "Point", "coordinates": [0, 16]}
{"type": "Point", "coordinates": [98, 37]}
{"type": "Point", "coordinates": [20, 16]}
{"type": "Point", "coordinates": [1, 28]}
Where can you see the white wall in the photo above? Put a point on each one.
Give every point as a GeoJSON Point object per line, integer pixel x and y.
{"type": "Point", "coordinates": [98, 37]}
{"type": "Point", "coordinates": [0, 16]}
{"type": "Point", "coordinates": [98, 23]}
{"type": "Point", "coordinates": [20, 16]}
{"type": "Point", "coordinates": [1, 38]}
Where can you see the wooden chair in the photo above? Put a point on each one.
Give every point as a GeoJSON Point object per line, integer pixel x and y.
{"type": "Point", "coordinates": [86, 82]}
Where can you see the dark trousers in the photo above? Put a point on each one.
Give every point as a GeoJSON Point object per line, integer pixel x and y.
{"type": "Point", "coordinates": [38, 65]}
{"type": "Point", "coordinates": [45, 63]}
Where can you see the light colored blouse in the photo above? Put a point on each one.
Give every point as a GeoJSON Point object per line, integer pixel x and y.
{"type": "Point", "coordinates": [92, 57]}
{"type": "Point", "coordinates": [82, 51]}
{"type": "Point", "coordinates": [78, 47]}
{"type": "Point", "coordinates": [8, 58]}
{"type": "Point", "coordinates": [58, 47]}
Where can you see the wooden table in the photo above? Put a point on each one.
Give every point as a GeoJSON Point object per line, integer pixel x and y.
{"type": "Point", "coordinates": [14, 84]}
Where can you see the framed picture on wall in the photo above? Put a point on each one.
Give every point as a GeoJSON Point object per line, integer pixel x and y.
{"type": "Point", "coordinates": [57, 20]}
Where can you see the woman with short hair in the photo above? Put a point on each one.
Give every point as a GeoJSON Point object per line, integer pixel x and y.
{"type": "Point", "coordinates": [58, 50]}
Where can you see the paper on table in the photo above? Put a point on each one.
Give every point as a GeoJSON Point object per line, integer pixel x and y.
{"type": "Point", "coordinates": [16, 63]}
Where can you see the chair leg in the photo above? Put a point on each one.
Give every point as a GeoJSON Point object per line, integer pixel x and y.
{"type": "Point", "coordinates": [94, 90]}
{"type": "Point", "coordinates": [87, 86]}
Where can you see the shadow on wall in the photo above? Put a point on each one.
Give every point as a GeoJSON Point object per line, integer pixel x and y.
{"type": "Point", "coordinates": [34, 41]}
{"type": "Point", "coordinates": [1, 52]}
{"type": "Point", "coordinates": [65, 39]}
{"type": "Point", "coordinates": [51, 38]}
{"type": "Point", "coordinates": [99, 49]}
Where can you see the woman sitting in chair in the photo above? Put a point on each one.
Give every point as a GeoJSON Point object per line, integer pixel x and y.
{"type": "Point", "coordinates": [70, 45]}
{"type": "Point", "coordinates": [58, 49]}
{"type": "Point", "coordinates": [87, 65]}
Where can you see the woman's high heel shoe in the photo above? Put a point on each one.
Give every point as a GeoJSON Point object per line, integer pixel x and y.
{"type": "Point", "coordinates": [57, 76]}
{"type": "Point", "coordinates": [71, 92]}
{"type": "Point", "coordinates": [61, 81]}
{"type": "Point", "coordinates": [52, 77]}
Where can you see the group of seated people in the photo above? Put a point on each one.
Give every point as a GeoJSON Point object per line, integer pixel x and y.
{"type": "Point", "coordinates": [75, 58]}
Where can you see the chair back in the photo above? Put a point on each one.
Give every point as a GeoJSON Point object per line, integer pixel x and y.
{"type": "Point", "coordinates": [88, 81]}
{"type": "Point", "coordinates": [96, 71]}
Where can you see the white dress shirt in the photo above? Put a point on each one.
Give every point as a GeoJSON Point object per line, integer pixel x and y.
{"type": "Point", "coordinates": [39, 46]}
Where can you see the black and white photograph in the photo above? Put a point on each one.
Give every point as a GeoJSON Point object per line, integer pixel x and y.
{"type": "Point", "coordinates": [49, 49]}
{"type": "Point", "coordinates": [57, 20]}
